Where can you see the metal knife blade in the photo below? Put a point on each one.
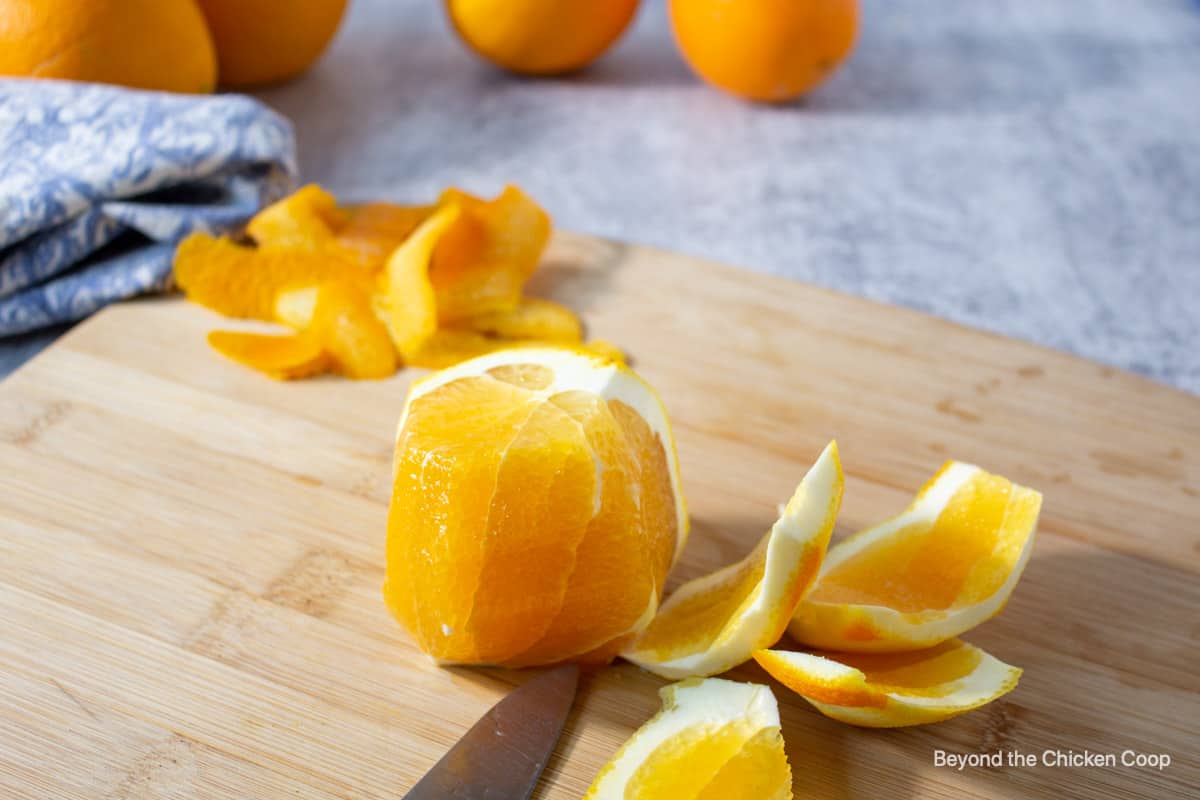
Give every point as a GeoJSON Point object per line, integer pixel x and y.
{"type": "Point", "coordinates": [504, 753]}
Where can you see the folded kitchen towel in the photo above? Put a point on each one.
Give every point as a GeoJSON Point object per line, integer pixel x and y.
{"type": "Point", "coordinates": [98, 184]}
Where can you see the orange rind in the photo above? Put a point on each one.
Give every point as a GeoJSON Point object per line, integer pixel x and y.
{"type": "Point", "coordinates": [374, 230]}
{"type": "Point", "coordinates": [347, 328]}
{"type": "Point", "coordinates": [947, 563]}
{"type": "Point", "coordinates": [444, 281]}
{"type": "Point", "coordinates": [536, 509]}
{"type": "Point", "coordinates": [891, 690]}
{"type": "Point", "coordinates": [287, 357]}
{"type": "Point", "coordinates": [713, 740]}
{"type": "Point", "coordinates": [406, 300]}
{"type": "Point", "coordinates": [244, 282]}
{"type": "Point", "coordinates": [483, 261]}
{"type": "Point", "coordinates": [713, 623]}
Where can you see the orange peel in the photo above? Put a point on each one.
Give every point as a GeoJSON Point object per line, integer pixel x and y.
{"type": "Point", "coordinates": [406, 301]}
{"type": "Point", "coordinates": [346, 326]}
{"type": "Point", "coordinates": [482, 263]}
{"type": "Point", "coordinates": [715, 622]}
{"type": "Point", "coordinates": [244, 282]}
{"type": "Point", "coordinates": [947, 563]}
{"type": "Point", "coordinates": [307, 219]}
{"type": "Point", "coordinates": [713, 740]}
{"type": "Point", "coordinates": [891, 690]}
{"type": "Point", "coordinates": [374, 230]}
{"type": "Point", "coordinates": [286, 357]}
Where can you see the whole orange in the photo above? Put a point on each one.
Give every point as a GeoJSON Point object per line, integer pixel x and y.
{"type": "Point", "coordinates": [267, 41]}
{"type": "Point", "coordinates": [540, 37]}
{"type": "Point", "coordinates": [766, 50]}
{"type": "Point", "coordinates": [147, 44]}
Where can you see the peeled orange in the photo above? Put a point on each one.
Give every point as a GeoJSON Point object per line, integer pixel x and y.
{"type": "Point", "coordinates": [944, 565]}
{"type": "Point", "coordinates": [890, 690]}
{"type": "Point", "coordinates": [536, 509]}
{"type": "Point", "coordinates": [713, 740]}
{"type": "Point", "coordinates": [715, 622]}
{"type": "Point", "coordinates": [540, 37]}
{"type": "Point", "coordinates": [765, 50]}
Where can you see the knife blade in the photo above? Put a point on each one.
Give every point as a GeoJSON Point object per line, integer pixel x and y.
{"type": "Point", "coordinates": [503, 754]}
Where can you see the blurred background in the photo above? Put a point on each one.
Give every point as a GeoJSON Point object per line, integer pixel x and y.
{"type": "Point", "coordinates": [1025, 167]}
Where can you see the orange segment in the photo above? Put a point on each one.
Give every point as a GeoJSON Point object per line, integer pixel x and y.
{"type": "Point", "coordinates": [281, 357]}
{"type": "Point", "coordinates": [406, 299]}
{"type": "Point", "coordinates": [243, 282]}
{"type": "Point", "coordinates": [886, 690]}
{"type": "Point", "coordinates": [545, 491]}
{"type": "Point", "coordinates": [533, 318]}
{"type": "Point", "coordinates": [944, 565]}
{"type": "Point", "coordinates": [483, 262]}
{"type": "Point", "coordinates": [349, 331]}
{"type": "Point", "coordinates": [713, 740]}
{"type": "Point", "coordinates": [435, 550]}
{"type": "Point", "coordinates": [609, 563]}
{"type": "Point", "coordinates": [515, 535]}
{"type": "Point", "coordinates": [713, 623]}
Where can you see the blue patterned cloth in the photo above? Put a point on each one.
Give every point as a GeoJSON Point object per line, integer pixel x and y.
{"type": "Point", "coordinates": [98, 184]}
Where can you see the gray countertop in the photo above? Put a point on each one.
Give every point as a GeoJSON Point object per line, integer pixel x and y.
{"type": "Point", "coordinates": [1028, 167]}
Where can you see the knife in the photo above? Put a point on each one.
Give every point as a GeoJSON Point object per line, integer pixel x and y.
{"type": "Point", "coordinates": [504, 753]}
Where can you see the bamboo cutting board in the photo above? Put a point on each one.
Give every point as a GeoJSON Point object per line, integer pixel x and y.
{"type": "Point", "coordinates": [191, 555]}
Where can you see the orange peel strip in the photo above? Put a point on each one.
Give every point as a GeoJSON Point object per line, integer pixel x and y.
{"type": "Point", "coordinates": [304, 220]}
{"type": "Point", "coordinates": [374, 230]}
{"type": "Point", "coordinates": [482, 263]}
{"type": "Point", "coordinates": [346, 326]}
{"type": "Point", "coordinates": [947, 563]}
{"type": "Point", "coordinates": [285, 357]}
{"type": "Point", "coordinates": [406, 301]}
{"type": "Point", "coordinates": [889, 690]}
{"type": "Point", "coordinates": [713, 623]}
{"type": "Point", "coordinates": [243, 282]}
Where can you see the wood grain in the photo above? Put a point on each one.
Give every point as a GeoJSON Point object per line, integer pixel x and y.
{"type": "Point", "coordinates": [191, 555]}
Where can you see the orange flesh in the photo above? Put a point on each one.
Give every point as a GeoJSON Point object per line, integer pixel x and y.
{"type": "Point", "coordinates": [351, 333]}
{"type": "Point", "coordinates": [929, 566]}
{"type": "Point", "coordinates": [515, 535]}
